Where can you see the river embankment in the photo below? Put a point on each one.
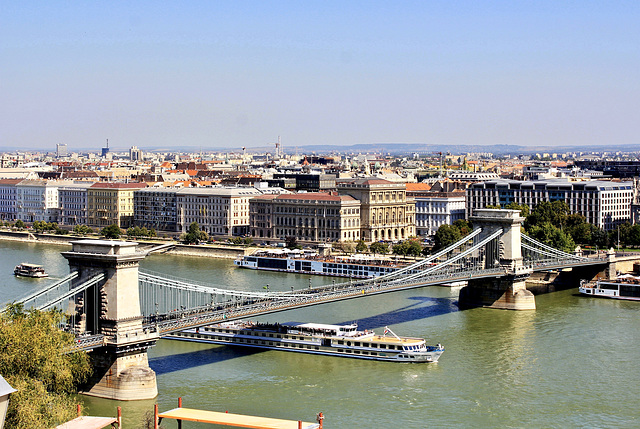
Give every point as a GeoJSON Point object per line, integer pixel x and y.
{"type": "Point", "coordinates": [200, 250]}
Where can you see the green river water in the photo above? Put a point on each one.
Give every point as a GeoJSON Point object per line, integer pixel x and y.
{"type": "Point", "coordinates": [570, 363]}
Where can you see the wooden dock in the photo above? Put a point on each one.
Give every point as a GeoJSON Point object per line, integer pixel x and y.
{"type": "Point", "coordinates": [228, 419]}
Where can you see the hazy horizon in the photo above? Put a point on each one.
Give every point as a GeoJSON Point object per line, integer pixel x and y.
{"type": "Point", "coordinates": [215, 74]}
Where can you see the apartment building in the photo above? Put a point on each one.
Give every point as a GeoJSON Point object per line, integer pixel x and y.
{"type": "Point", "coordinates": [111, 203]}
{"type": "Point", "coordinates": [603, 203]}
{"type": "Point", "coordinates": [8, 199]}
{"type": "Point", "coordinates": [386, 211]}
{"type": "Point", "coordinates": [218, 211]}
{"type": "Point", "coordinates": [37, 200]}
{"type": "Point", "coordinates": [157, 208]}
{"type": "Point", "coordinates": [72, 198]}
{"type": "Point", "coordinates": [308, 216]}
{"type": "Point", "coordinates": [434, 209]}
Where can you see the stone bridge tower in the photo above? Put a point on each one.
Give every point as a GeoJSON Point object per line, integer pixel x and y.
{"type": "Point", "coordinates": [509, 291]}
{"type": "Point", "coordinates": [121, 367]}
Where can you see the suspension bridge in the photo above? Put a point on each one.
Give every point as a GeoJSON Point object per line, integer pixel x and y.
{"type": "Point", "coordinates": [119, 311]}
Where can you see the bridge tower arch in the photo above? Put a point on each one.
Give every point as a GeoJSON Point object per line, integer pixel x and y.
{"type": "Point", "coordinates": [121, 367]}
{"type": "Point", "coordinates": [509, 291]}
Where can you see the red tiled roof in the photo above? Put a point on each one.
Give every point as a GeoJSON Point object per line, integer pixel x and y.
{"type": "Point", "coordinates": [418, 187]}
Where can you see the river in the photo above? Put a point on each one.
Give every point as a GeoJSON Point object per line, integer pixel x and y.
{"type": "Point", "coordinates": [570, 363]}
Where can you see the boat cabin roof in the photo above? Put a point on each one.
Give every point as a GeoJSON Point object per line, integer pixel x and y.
{"type": "Point", "coordinates": [322, 326]}
{"type": "Point", "coordinates": [27, 265]}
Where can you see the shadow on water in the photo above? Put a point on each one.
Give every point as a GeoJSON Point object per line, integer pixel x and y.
{"type": "Point", "coordinates": [421, 308]}
{"type": "Point", "coordinates": [177, 362]}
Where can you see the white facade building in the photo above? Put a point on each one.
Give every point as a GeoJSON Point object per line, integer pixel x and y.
{"type": "Point", "coordinates": [218, 211]}
{"type": "Point", "coordinates": [8, 199]}
{"type": "Point", "coordinates": [604, 204]}
{"type": "Point", "coordinates": [37, 200]}
{"type": "Point", "coordinates": [440, 208]}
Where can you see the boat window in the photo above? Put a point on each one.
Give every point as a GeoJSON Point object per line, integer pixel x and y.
{"type": "Point", "coordinates": [357, 344]}
{"type": "Point", "coordinates": [383, 346]}
{"type": "Point", "coordinates": [612, 286]}
{"type": "Point", "coordinates": [392, 347]}
{"type": "Point", "coordinates": [340, 342]}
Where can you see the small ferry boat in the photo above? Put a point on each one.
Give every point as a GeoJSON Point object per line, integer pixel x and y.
{"type": "Point", "coordinates": [305, 262]}
{"type": "Point", "coordinates": [627, 288]}
{"type": "Point", "coordinates": [316, 338]}
{"type": "Point", "coordinates": [30, 270]}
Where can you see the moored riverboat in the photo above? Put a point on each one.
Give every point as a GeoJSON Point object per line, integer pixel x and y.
{"type": "Point", "coordinates": [29, 270]}
{"type": "Point", "coordinates": [301, 262]}
{"type": "Point", "coordinates": [626, 288]}
{"type": "Point", "coordinates": [316, 338]}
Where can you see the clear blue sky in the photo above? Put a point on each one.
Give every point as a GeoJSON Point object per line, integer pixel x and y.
{"type": "Point", "coordinates": [240, 73]}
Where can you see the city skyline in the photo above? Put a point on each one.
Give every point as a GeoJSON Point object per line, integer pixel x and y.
{"type": "Point", "coordinates": [223, 75]}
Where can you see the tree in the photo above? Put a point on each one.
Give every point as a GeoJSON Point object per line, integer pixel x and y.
{"type": "Point", "coordinates": [195, 235]}
{"type": "Point", "coordinates": [34, 361]}
{"type": "Point", "coordinates": [552, 236]}
{"type": "Point", "coordinates": [381, 248]}
{"type": "Point", "coordinates": [463, 226]}
{"type": "Point", "coordinates": [399, 249]}
{"type": "Point", "coordinates": [19, 224]}
{"type": "Point", "coordinates": [292, 242]}
{"type": "Point", "coordinates": [82, 230]}
{"type": "Point", "coordinates": [555, 213]}
{"type": "Point", "coordinates": [112, 231]}
{"type": "Point", "coordinates": [414, 248]}
{"type": "Point", "coordinates": [524, 209]}
{"type": "Point", "coordinates": [445, 236]}
{"type": "Point", "coordinates": [361, 246]}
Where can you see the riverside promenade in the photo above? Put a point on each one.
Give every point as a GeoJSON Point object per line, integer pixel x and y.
{"type": "Point", "coordinates": [220, 251]}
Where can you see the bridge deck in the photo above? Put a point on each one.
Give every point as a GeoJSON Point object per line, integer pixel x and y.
{"type": "Point", "coordinates": [238, 420]}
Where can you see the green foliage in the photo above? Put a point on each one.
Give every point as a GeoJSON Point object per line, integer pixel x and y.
{"type": "Point", "coordinates": [292, 242]}
{"type": "Point", "coordinates": [32, 360]}
{"type": "Point", "coordinates": [112, 231]}
{"type": "Point", "coordinates": [552, 236]}
{"type": "Point", "coordinates": [361, 247]}
{"type": "Point", "coordinates": [19, 224]}
{"type": "Point", "coordinates": [136, 231]}
{"type": "Point", "coordinates": [555, 213]}
{"type": "Point", "coordinates": [82, 230]}
{"type": "Point", "coordinates": [195, 235]}
{"type": "Point", "coordinates": [411, 247]}
{"type": "Point", "coordinates": [463, 226]}
{"type": "Point", "coordinates": [40, 226]}
{"type": "Point", "coordinates": [445, 236]}
{"type": "Point", "coordinates": [524, 209]}
{"type": "Point", "coordinates": [379, 248]}
{"type": "Point", "coordinates": [346, 247]}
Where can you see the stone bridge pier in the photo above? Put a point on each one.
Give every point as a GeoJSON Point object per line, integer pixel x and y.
{"type": "Point", "coordinates": [112, 308]}
{"type": "Point", "coordinates": [509, 291]}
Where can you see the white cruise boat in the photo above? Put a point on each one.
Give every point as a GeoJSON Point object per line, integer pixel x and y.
{"type": "Point", "coordinates": [305, 262]}
{"type": "Point", "coordinates": [316, 338]}
{"type": "Point", "coordinates": [626, 287]}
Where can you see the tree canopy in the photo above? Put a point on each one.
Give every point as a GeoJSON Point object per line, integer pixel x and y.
{"type": "Point", "coordinates": [112, 231]}
{"type": "Point", "coordinates": [33, 361]}
{"type": "Point", "coordinates": [194, 235]}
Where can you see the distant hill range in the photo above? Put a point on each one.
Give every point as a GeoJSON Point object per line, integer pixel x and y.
{"type": "Point", "coordinates": [381, 148]}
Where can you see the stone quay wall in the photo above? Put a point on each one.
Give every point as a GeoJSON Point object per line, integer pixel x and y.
{"type": "Point", "coordinates": [204, 251]}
